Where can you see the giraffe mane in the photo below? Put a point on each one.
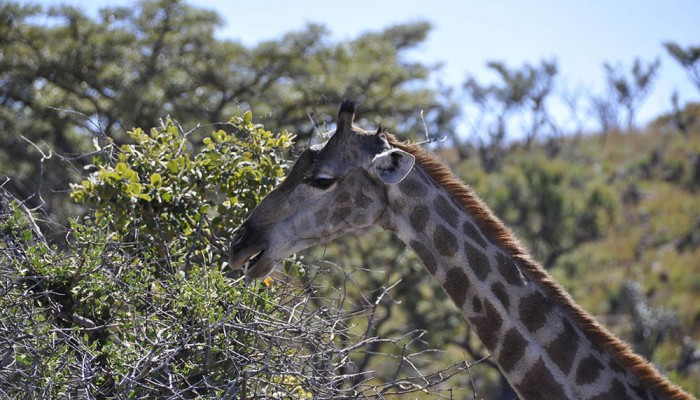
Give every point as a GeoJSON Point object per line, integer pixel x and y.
{"type": "Point", "coordinates": [493, 227]}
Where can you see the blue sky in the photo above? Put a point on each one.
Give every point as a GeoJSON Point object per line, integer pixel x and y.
{"type": "Point", "coordinates": [580, 35]}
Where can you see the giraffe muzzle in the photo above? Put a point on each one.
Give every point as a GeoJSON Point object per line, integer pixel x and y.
{"type": "Point", "coordinates": [247, 252]}
{"type": "Point", "coordinates": [246, 258]}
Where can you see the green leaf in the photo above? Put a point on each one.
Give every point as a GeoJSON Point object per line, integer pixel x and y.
{"type": "Point", "coordinates": [131, 175]}
{"type": "Point", "coordinates": [155, 179]}
{"type": "Point", "coordinates": [172, 166]}
{"type": "Point", "coordinates": [135, 189]}
{"type": "Point", "coordinates": [26, 235]}
{"type": "Point", "coordinates": [121, 168]}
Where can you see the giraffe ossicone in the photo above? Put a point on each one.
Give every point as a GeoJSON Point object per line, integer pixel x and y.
{"type": "Point", "coordinates": [546, 346]}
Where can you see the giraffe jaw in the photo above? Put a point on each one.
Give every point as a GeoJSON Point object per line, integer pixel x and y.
{"type": "Point", "coordinates": [258, 266]}
{"type": "Point", "coordinates": [253, 262]}
{"type": "Point", "coordinates": [249, 254]}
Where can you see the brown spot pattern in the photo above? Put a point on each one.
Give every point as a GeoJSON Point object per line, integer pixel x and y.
{"type": "Point", "coordinates": [509, 270]}
{"type": "Point", "coordinates": [419, 218]}
{"type": "Point", "coordinates": [342, 198]}
{"type": "Point", "coordinates": [445, 241]}
{"type": "Point", "coordinates": [321, 216]}
{"type": "Point", "coordinates": [616, 367]}
{"type": "Point", "coordinates": [340, 214]}
{"type": "Point", "coordinates": [476, 305]}
{"type": "Point", "coordinates": [499, 290]}
{"type": "Point", "coordinates": [563, 349]}
{"type": "Point", "coordinates": [588, 370]}
{"type": "Point", "coordinates": [361, 200]}
{"type": "Point", "coordinates": [425, 255]}
{"type": "Point", "coordinates": [641, 391]}
{"type": "Point", "coordinates": [446, 211]}
{"type": "Point", "coordinates": [487, 326]}
{"type": "Point", "coordinates": [539, 383]}
{"type": "Point", "coordinates": [514, 345]}
{"type": "Point", "coordinates": [456, 285]}
{"type": "Point", "coordinates": [412, 187]}
{"type": "Point", "coordinates": [359, 219]}
{"type": "Point", "coordinates": [478, 261]}
{"type": "Point", "coordinates": [533, 311]}
{"type": "Point", "coordinates": [351, 180]}
{"type": "Point", "coordinates": [473, 233]}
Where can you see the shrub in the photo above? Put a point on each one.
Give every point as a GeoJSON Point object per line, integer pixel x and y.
{"type": "Point", "coordinates": [136, 305]}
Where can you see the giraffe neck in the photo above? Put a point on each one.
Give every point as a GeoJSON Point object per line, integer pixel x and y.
{"type": "Point", "coordinates": [544, 344]}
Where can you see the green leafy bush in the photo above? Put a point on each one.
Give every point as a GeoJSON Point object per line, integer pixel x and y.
{"type": "Point", "coordinates": [553, 207]}
{"type": "Point", "coordinates": [136, 305]}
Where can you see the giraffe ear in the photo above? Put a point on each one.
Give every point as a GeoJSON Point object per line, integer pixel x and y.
{"type": "Point", "coordinates": [392, 165]}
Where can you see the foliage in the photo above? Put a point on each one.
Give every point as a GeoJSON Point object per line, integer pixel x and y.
{"type": "Point", "coordinates": [501, 105]}
{"type": "Point", "coordinates": [132, 65]}
{"type": "Point", "coordinates": [630, 92]}
{"type": "Point", "coordinates": [137, 305]}
{"type": "Point", "coordinates": [606, 111]}
{"type": "Point", "coordinates": [535, 196]}
{"type": "Point", "coordinates": [688, 58]}
{"type": "Point", "coordinates": [159, 186]}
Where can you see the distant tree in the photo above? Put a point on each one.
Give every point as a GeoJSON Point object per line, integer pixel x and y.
{"type": "Point", "coordinates": [688, 58]}
{"type": "Point", "coordinates": [553, 207]}
{"type": "Point", "coordinates": [499, 104]}
{"type": "Point", "coordinates": [607, 112]}
{"type": "Point", "coordinates": [631, 91]}
{"type": "Point", "coordinates": [650, 324]}
{"type": "Point", "coordinates": [574, 99]}
{"type": "Point", "coordinates": [683, 117]}
{"type": "Point", "coordinates": [529, 88]}
{"type": "Point", "coordinates": [490, 119]}
{"type": "Point", "coordinates": [133, 65]}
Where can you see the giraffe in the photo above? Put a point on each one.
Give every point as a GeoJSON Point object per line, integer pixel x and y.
{"type": "Point", "coordinates": [545, 345]}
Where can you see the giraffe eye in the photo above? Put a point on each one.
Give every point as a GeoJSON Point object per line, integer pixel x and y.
{"type": "Point", "coordinates": [322, 181]}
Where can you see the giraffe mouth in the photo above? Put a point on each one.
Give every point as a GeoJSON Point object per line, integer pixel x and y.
{"type": "Point", "coordinates": [253, 259]}
{"type": "Point", "coordinates": [257, 265]}
{"type": "Point", "coordinates": [247, 261]}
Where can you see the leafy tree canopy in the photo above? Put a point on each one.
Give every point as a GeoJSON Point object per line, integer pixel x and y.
{"type": "Point", "coordinates": [131, 66]}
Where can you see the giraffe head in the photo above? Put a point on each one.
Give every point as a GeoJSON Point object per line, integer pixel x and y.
{"type": "Point", "coordinates": [332, 189]}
